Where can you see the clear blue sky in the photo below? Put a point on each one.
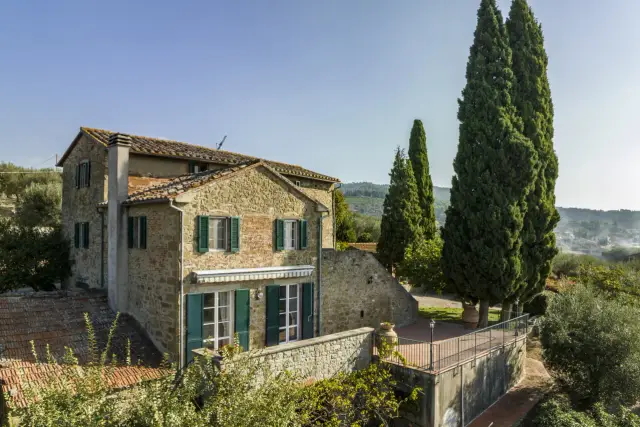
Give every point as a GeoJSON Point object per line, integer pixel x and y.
{"type": "Point", "coordinates": [332, 85]}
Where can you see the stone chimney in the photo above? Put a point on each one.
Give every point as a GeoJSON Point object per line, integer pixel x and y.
{"type": "Point", "coordinates": [117, 252]}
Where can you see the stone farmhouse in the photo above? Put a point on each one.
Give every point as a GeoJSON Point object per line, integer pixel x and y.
{"type": "Point", "coordinates": [197, 244]}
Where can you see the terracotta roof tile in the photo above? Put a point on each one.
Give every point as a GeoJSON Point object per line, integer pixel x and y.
{"type": "Point", "coordinates": [165, 147]}
{"type": "Point", "coordinates": [57, 319]}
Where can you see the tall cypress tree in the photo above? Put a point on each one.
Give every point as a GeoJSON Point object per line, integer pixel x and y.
{"type": "Point", "coordinates": [532, 99]}
{"type": "Point", "coordinates": [420, 163]}
{"type": "Point", "coordinates": [494, 169]}
{"type": "Point", "coordinates": [400, 225]}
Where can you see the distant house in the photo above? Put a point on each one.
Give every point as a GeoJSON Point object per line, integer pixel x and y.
{"type": "Point", "coordinates": [198, 244]}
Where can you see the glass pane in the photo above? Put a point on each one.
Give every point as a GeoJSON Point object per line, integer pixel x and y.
{"type": "Point", "coordinates": [210, 344]}
{"type": "Point", "coordinates": [223, 314]}
{"type": "Point", "coordinates": [208, 331]}
{"type": "Point", "coordinates": [293, 333]}
{"type": "Point", "coordinates": [293, 291]}
{"type": "Point", "coordinates": [223, 329]}
{"type": "Point", "coordinates": [283, 306]}
{"type": "Point", "coordinates": [293, 318]}
{"type": "Point", "coordinates": [221, 228]}
{"type": "Point", "coordinates": [209, 300]}
{"type": "Point", "coordinates": [224, 341]}
{"type": "Point", "coordinates": [283, 291]}
{"type": "Point", "coordinates": [223, 299]}
{"type": "Point", "coordinates": [283, 320]}
{"type": "Point", "coordinates": [293, 304]}
{"type": "Point", "coordinates": [283, 336]}
{"type": "Point", "coordinates": [209, 315]}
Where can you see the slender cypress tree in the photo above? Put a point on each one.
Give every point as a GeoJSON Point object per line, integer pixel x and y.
{"type": "Point", "coordinates": [494, 170]}
{"type": "Point", "coordinates": [400, 225]}
{"type": "Point", "coordinates": [345, 226]}
{"type": "Point", "coordinates": [531, 97]}
{"type": "Point", "coordinates": [420, 163]}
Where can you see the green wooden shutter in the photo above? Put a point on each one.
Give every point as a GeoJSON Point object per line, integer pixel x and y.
{"type": "Point", "coordinates": [242, 318]}
{"type": "Point", "coordinates": [192, 166]}
{"type": "Point", "coordinates": [130, 232]}
{"type": "Point", "coordinates": [195, 304]}
{"type": "Point", "coordinates": [307, 311]}
{"type": "Point", "coordinates": [77, 176]}
{"type": "Point", "coordinates": [76, 235]}
{"type": "Point", "coordinates": [279, 235]}
{"type": "Point", "coordinates": [85, 235]}
{"type": "Point", "coordinates": [273, 314]}
{"type": "Point", "coordinates": [203, 233]}
{"type": "Point", "coordinates": [302, 226]}
{"type": "Point", "coordinates": [235, 234]}
{"type": "Point", "coordinates": [88, 173]}
{"type": "Point", "coordinates": [143, 232]}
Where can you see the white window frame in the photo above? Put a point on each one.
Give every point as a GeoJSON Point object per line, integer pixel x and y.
{"type": "Point", "coordinates": [291, 234]}
{"type": "Point", "coordinates": [213, 233]}
{"type": "Point", "coordinates": [287, 327]}
{"type": "Point", "coordinates": [214, 342]}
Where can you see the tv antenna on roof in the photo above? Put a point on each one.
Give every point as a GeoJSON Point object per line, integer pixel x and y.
{"type": "Point", "coordinates": [219, 145]}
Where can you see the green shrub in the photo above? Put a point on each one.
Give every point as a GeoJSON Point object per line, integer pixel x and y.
{"type": "Point", "coordinates": [568, 265]}
{"type": "Point", "coordinates": [422, 265]}
{"type": "Point", "coordinates": [40, 205]}
{"type": "Point", "coordinates": [538, 305]}
{"type": "Point", "coordinates": [556, 411]}
{"type": "Point", "coordinates": [32, 257]}
{"type": "Point", "coordinates": [591, 343]}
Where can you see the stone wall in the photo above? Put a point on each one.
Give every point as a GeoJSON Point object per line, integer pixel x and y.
{"type": "Point", "coordinates": [358, 291]}
{"type": "Point", "coordinates": [80, 205]}
{"type": "Point", "coordinates": [320, 357]}
{"type": "Point", "coordinates": [154, 276]}
{"type": "Point", "coordinates": [258, 198]}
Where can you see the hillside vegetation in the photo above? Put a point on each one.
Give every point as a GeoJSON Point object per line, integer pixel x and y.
{"type": "Point", "coordinates": [589, 231]}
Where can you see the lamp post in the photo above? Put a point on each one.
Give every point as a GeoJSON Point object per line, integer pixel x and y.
{"type": "Point", "coordinates": [432, 325]}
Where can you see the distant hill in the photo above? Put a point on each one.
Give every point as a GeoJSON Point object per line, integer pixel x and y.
{"type": "Point", "coordinates": [580, 230]}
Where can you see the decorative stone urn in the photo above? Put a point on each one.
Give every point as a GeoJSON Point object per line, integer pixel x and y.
{"type": "Point", "coordinates": [387, 334]}
{"type": "Point", "coordinates": [470, 316]}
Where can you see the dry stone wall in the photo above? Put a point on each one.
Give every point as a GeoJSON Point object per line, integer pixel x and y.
{"type": "Point", "coordinates": [358, 291]}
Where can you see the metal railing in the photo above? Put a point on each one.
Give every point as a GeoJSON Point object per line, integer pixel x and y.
{"type": "Point", "coordinates": [440, 355]}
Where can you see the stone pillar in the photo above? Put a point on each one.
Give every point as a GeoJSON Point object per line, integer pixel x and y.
{"type": "Point", "coordinates": [118, 191]}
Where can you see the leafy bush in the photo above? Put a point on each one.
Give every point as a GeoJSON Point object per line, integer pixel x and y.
{"type": "Point", "coordinates": [237, 390]}
{"type": "Point", "coordinates": [40, 205]}
{"type": "Point", "coordinates": [538, 305]}
{"type": "Point", "coordinates": [568, 265]}
{"type": "Point", "coordinates": [556, 411]}
{"type": "Point", "coordinates": [592, 344]}
{"type": "Point", "coordinates": [613, 278]}
{"type": "Point", "coordinates": [32, 257]}
{"type": "Point", "coordinates": [422, 265]}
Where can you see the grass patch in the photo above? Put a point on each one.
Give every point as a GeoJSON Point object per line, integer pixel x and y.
{"type": "Point", "coordinates": [453, 315]}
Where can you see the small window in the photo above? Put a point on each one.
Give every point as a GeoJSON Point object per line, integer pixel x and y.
{"type": "Point", "coordinates": [138, 232]}
{"type": "Point", "coordinates": [83, 174]}
{"type": "Point", "coordinates": [291, 234]}
{"type": "Point", "coordinates": [219, 234]}
{"type": "Point", "coordinates": [217, 319]}
{"type": "Point", "coordinates": [195, 167]}
{"type": "Point", "coordinates": [81, 235]}
{"type": "Point", "coordinates": [298, 183]}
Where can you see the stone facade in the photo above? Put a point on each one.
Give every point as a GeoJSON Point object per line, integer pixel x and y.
{"type": "Point", "coordinates": [80, 205]}
{"type": "Point", "coordinates": [358, 291]}
{"type": "Point", "coordinates": [320, 357]}
{"type": "Point", "coordinates": [154, 276]}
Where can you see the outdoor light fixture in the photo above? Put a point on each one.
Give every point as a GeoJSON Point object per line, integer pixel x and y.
{"type": "Point", "coordinates": [259, 295]}
{"type": "Point", "coordinates": [432, 325]}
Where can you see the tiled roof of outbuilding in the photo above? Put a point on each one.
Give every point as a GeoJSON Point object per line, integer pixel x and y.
{"type": "Point", "coordinates": [57, 319]}
{"type": "Point", "coordinates": [169, 148]}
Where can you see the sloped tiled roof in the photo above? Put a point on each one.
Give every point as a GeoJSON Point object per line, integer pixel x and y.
{"type": "Point", "coordinates": [57, 319]}
{"type": "Point", "coordinates": [169, 148]}
{"type": "Point", "coordinates": [171, 189]}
